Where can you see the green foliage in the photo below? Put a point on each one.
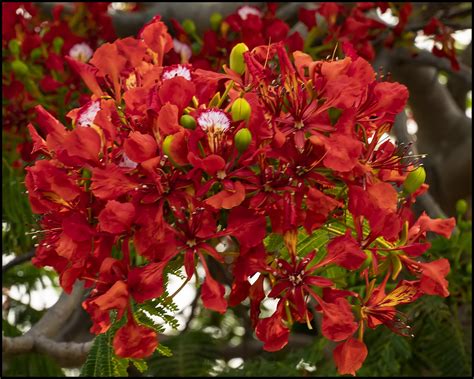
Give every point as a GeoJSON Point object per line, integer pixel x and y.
{"type": "Point", "coordinates": [194, 354]}
{"type": "Point", "coordinates": [31, 365]}
{"type": "Point", "coordinates": [438, 347]}
{"type": "Point", "coordinates": [17, 218]}
{"type": "Point", "coordinates": [315, 360]}
{"type": "Point", "coordinates": [101, 360]}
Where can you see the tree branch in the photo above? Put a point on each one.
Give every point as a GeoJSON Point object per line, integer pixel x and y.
{"type": "Point", "coordinates": [40, 338]}
{"type": "Point", "coordinates": [17, 261]}
{"type": "Point", "coordinates": [67, 354]}
{"type": "Point", "coordinates": [425, 58]}
{"type": "Point", "coordinates": [56, 316]}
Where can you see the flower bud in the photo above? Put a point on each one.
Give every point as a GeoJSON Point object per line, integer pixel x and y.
{"type": "Point", "coordinates": [167, 149]}
{"type": "Point", "coordinates": [167, 145]}
{"type": "Point", "coordinates": [19, 67]}
{"type": "Point", "coordinates": [215, 20]}
{"type": "Point", "coordinates": [189, 26]}
{"type": "Point", "coordinates": [414, 180]}
{"type": "Point", "coordinates": [461, 206]}
{"type": "Point", "coordinates": [240, 110]}
{"type": "Point", "coordinates": [187, 121]}
{"type": "Point", "coordinates": [237, 63]}
{"type": "Point", "coordinates": [36, 53]}
{"type": "Point", "coordinates": [196, 48]}
{"type": "Point", "coordinates": [14, 47]}
{"type": "Point", "coordinates": [58, 43]}
{"type": "Point", "coordinates": [242, 139]}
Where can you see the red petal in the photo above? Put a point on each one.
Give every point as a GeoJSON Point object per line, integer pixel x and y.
{"type": "Point", "coordinates": [110, 62]}
{"type": "Point", "coordinates": [212, 295]}
{"type": "Point", "coordinates": [338, 320]}
{"type": "Point", "coordinates": [349, 356]}
{"type": "Point", "coordinates": [140, 147]}
{"type": "Point", "coordinates": [246, 226]}
{"type": "Point", "coordinates": [88, 74]}
{"type": "Point", "coordinates": [433, 280]}
{"type": "Point", "coordinates": [271, 331]}
{"type": "Point", "coordinates": [177, 91]}
{"type": "Point", "coordinates": [443, 227]}
{"type": "Point", "coordinates": [345, 252]}
{"type": "Point", "coordinates": [168, 119]}
{"type": "Point", "coordinates": [83, 144]}
{"type": "Point", "coordinates": [116, 217]}
{"type": "Point", "coordinates": [179, 148]}
{"type": "Point", "coordinates": [210, 164]}
{"type": "Point", "coordinates": [228, 199]}
{"type": "Point", "coordinates": [135, 341]}
{"type": "Point", "coordinates": [110, 182]}
{"type": "Point", "coordinates": [115, 298]}
{"type": "Point", "coordinates": [146, 282]}
{"type": "Point", "coordinates": [155, 34]}
{"type": "Point", "coordinates": [76, 227]}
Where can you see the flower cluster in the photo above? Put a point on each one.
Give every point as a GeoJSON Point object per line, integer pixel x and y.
{"type": "Point", "coordinates": [164, 161]}
{"type": "Point", "coordinates": [34, 70]}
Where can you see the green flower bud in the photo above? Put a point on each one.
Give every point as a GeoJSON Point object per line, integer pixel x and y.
{"type": "Point", "coordinates": [368, 260]}
{"type": "Point", "coordinates": [242, 139]}
{"type": "Point", "coordinates": [58, 43]}
{"type": "Point", "coordinates": [167, 149]}
{"type": "Point", "coordinates": [187, 121]}
{"type": "Point", "coordinates": [237, 62]}
{"type": "Point", "coordinates": [189, 26]}
{"type": "Point", "coordinates": [240, 110]}
{"type": "Point", "coordinates": [36, 53]}
{"type": "Point", "coordinates": [167, 145]}
{"type": "Point", "coordinates": [14, 47]}
{"type": "Point", "coordinates": [461, 206]}
{"type": "Point", "coordinates": [469, 268]}
{"type": "Point", "coordinates": [414, 180]}
{"type": "Point", "coordinates": [195, 47]}
{"type": "Point", "coordinates": [215, 19]}
{"type": "Point", "coordinates": [19, 67]}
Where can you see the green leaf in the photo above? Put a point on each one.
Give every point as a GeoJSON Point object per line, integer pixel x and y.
{"type": "Point", "coordinates": [102, 361]}
{"type": "Point", "coordinates": [140, 364]}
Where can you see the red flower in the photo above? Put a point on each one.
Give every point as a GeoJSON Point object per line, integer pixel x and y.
{"type": "Point", "coordinates": [135, 341]}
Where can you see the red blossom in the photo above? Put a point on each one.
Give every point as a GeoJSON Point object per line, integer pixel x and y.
{"type": "Point", "coordinates": [135, 341]}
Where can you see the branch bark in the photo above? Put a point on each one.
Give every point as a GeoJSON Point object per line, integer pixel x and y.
{"type": "Point", "coordinates": [425, 58]}
{"type": "Point", "coordinates": [41, 337]}
{"type": "Point", "coordinates": [17, 261]}
{"type": "Point", "coordinates": [67, 354]}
